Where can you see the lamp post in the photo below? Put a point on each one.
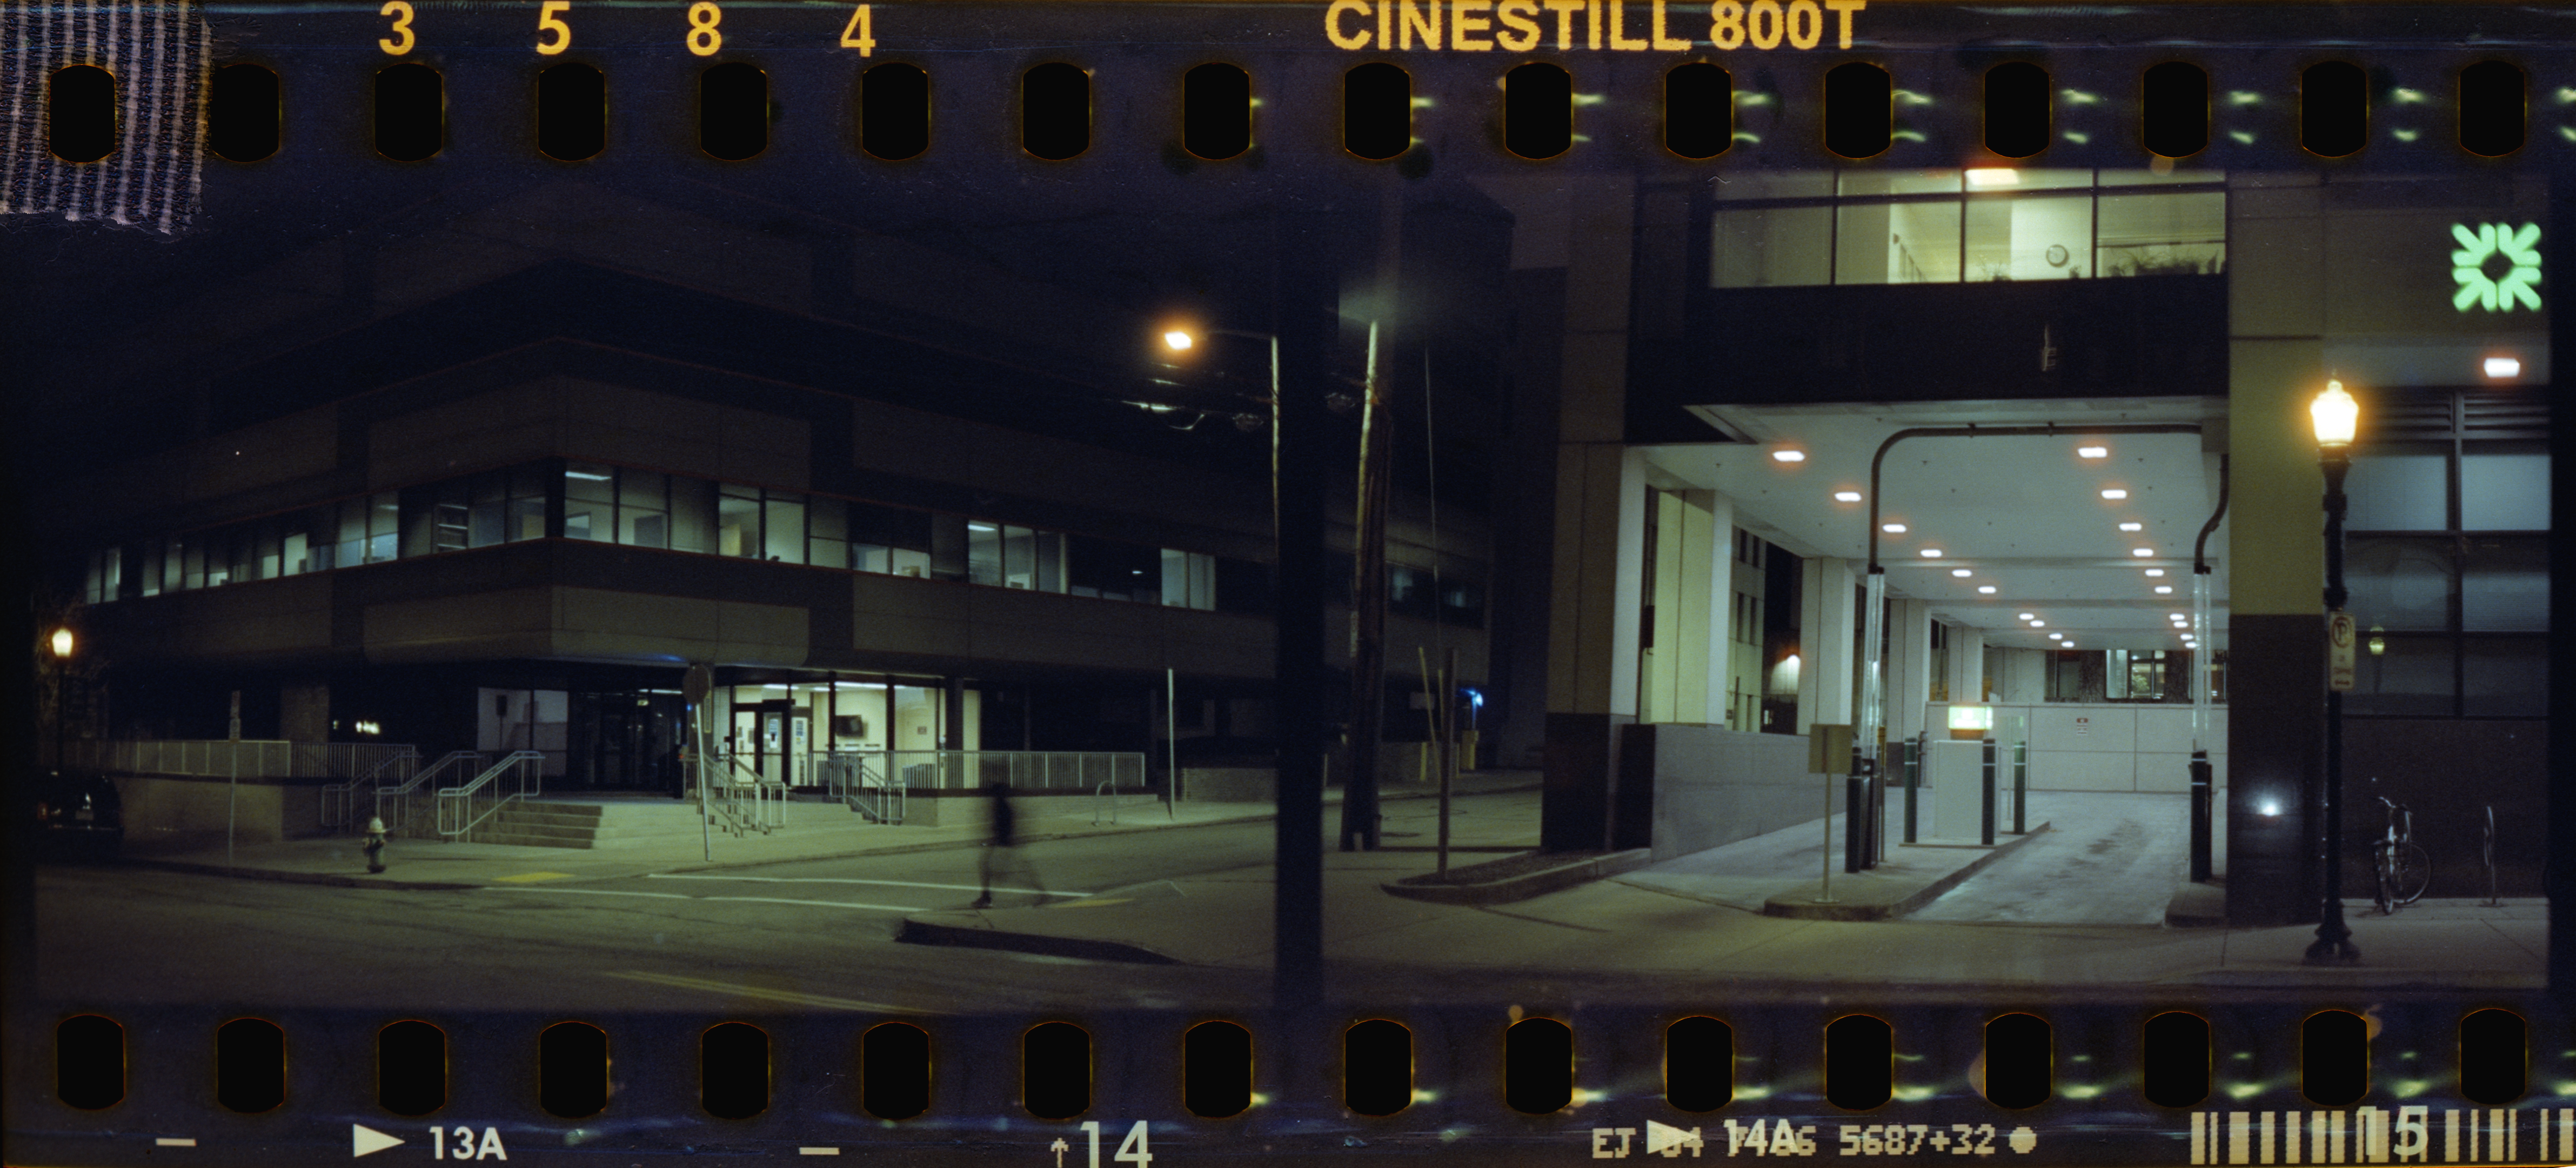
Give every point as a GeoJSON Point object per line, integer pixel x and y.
{"type": "Point", "coordinates": [2334, 414]}
{"type": "Point", "coordinates": [61, 643]}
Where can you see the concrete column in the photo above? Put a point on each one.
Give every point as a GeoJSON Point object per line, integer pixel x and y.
{"type": "Point", "coordinates": [1828, 633]}
{"type": "Point", "coordinates": [1720, 560]}
{"type": "Point", "coordinates": [1909, 666]}
{"type": "Point", "coordinates": [1967, 653]}
{"type": "Point", "coordinates": [1597, 569]}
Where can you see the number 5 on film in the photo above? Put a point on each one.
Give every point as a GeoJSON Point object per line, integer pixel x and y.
{"type": "Point", "coordinates": [402, 40]}
{"type": "Point", "coordinates": [550, 21]}
{"type": "Point", "coordinates": [860, 33]}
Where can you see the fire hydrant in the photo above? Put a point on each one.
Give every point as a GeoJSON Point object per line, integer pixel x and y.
{"type": "Point", "coordinates": [375, 845]}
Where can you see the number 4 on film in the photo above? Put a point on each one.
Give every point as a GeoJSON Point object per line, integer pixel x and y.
{"type": "Point", "coordinates": [1132, 1150]}
{"type": "Point", "coordinates": [860, 34]}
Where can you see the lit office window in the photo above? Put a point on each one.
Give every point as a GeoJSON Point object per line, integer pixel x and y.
{"type": "Point", "coordinates": [590, 501]}
{"type": "Point", "coordinates": [827, 533]}
{"type": "Point", "coordinates": [983, 552]}
{"type": "Point", "coordinates": [737, 520]}
{"type": "Point", "coordinates": [1189, 579]}
{"type": "Point", "coordinates": [643, 508]}
{"type": "Point", "coordinates": [2398, 488]}
{"type": "Point", "coordinates": [1910, 227]}
{"type": "Point", "coordinates": [783, 524]}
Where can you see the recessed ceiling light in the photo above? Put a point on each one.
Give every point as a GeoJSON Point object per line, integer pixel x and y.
{"type": "Point", "coordinates": [2039, 624]}
{"type": "Point", "coordinates": [2133, 526]}
{"type": "Point", "coordinates": [2057, 636]}
{"type": "Point", "coordinates": [2092, 452]}
{"type": "Point", "coordinates": [1931, 553]}
{"type": "Point", "coordinates": [2025, 616]}
{"type": "Point", "coordinates": [1788, 456]}
{"type": "Point", "coordinates": [2155, 571]}
{"type": "Point", "coordinates": [2176, 616]}
{"type": "Point", "coordinates": [2142, 551]}
{"type": "Point", "coordinates": [1986, 589]}
{"type": "Point", "coordinates": [2504, 367]}
{"type": "Point", "coordinates": [2162, 589]}
{"type": "Point", "coordinates": [1846, 496]}
{"type": "Point", "coordinates": [1961, 572]}
{"type": "Point", "coordinates": [2114, 493]}
{"type": "Point", "coordinates": [1892, 528]}
{"type": "Point", "coordinates": [1993, 176]}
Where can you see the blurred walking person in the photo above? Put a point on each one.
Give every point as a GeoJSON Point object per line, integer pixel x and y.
{"type": "Point", "coordinates": [1002, 851]}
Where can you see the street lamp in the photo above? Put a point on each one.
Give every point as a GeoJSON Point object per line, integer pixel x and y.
{"type": "Point", "coordinates": [61, 644]}
{"type": "Point", "coordinates": [2334, 414]}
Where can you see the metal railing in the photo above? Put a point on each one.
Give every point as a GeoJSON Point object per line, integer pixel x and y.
{"type": "Point", "coordinates": [744, 800]}
{"type": "Point", "coordinates": [858, 786]}
{"type": "Point", "coordinates": [394, 804]}
{"type": "Point", "coordinates": [217, 757]}
{"type": "Point", "coordinates": [1027, 770]}
{"type": "Point", "coordinates": [461, 808]}
{"type": "Point", "coordinates": [339, 800]}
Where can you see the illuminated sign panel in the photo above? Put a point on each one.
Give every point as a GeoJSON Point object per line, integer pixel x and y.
{"type": "Point", "coordinates": [2512, 280]}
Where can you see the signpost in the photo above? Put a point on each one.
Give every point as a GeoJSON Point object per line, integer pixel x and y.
{"type": "Point", "coordinates": [2339, 654]}
{"type": "Point", "coordinates": [232, 790]}
{"type": "Point", "coordinates": [1828, 743]}
{"type": "Point", "coordinates": [695, 687]}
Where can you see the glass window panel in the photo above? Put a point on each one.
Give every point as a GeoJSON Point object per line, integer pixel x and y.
{"type": "Point", "coordinates": [193, 564]}
{"type": "Point", "coordinates": [2162, 234]}
{"type": "Point", "coordinates": [2505, 677]}
{"type": "Point", "coordinates": [737, 523]}
{"type": "Point", "coordinates": [1019, 558]}
{"type": "Point", "coordinates": [1861, 243]}
{"type": "Point", "coordinates": [784, 521]}
{"type": "Point", "coordinates": [297, 554]}
{"type": "Point", "coordinates": [269, 568]}
{"type": "Point", "coordinates": [1771, 247]}
{"type": "Point", "coordinates": [1050, 561]}
{"type": "Point", "coordinates": [827, 519]}
{"type": "Point", "coordinates": [870, 557]}
{"type": "Point", "coordinates": [2398, 491]}
{"type": "Point", "coordinates": [527, 519]}
{"type": "Point", "coordinates": [644, 489]}
{"type": "Point", "coordinates": [826, 553]}
{"type": "Point", "coordinates": [2148, 178]}
{"type": "Point", "coordinates": [2505, 588]}
{"type": "Point", "coordinates": [2411, 677]}
{"type": "Point", "coordinates": [2016, 178]}
{"type": "Point", "coordinates": [643, 528]}
{"type": "Point", "coordinates": [1923, 243]}
{"type": "Point", "coordinates": [528, 481]}
{"type": "Point", "coordinates": [2504, 492]}
{"type": "Point", "coordinates": [484, 524]}
{"type": "Point", "coordinates": [1899, 182]}
{"type": "Point", "coordinates": [948, 547]}
{"type": "Point", "coordinates": [2399, 583]}
{"type": "Point", "coordinates": [489, 487]}
{"type": "Point", "coordinates": [353, 533]}
{"type": "Point", "coordinates": [1773, 184]}
{"type": "Point", "coordinates": [983, 553]}
{"type": "Point", "coordinates": [2029, 238]}
{"type": "Point", "coordinates": [591, 481]}
{"type": "Point", "coordinates": [587, 518]}
{"type": "Point", "coordinates": [693, 515]}
{"type": "Point", "coordinates": [910, 562]}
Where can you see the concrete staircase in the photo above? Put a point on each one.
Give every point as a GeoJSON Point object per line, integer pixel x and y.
{"type": "Point", "coordinates": [603, 823]}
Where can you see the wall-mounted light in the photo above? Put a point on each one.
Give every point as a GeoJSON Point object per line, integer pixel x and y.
{"type": "Point", "coordinates": [2378, 644]}
{"type": "Point", "coordinates": [1788, 456]}
{"type": "Point", "coordinates": [1846, 496]}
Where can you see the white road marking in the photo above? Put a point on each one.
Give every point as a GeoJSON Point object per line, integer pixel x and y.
{"type": "Point", "coordinates": [791, 997]}
{"type": "Point", "coordinates": [818, 1151]}
{"type": "Point", "coordinates": [175, 1142]}
{"type": "Point", "coordinates": [899, 908]}
{"type": "Point", "coordinates": [850, 880]}
{"type": "Point", "coordinates": [591, 892]}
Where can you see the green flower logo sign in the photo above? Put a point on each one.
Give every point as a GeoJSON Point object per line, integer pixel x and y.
{"type": "Point", "coordinates": [2477, 255]}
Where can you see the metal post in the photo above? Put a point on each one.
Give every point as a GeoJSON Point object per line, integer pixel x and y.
{"type": "Point", "coordinates": [1914, 752]}
{"type": "Point", "coordinates": [232, 791]}
{"type": "Point", "coordinates": [1986, 831]}
{"type": "Point", "coordinates": [1827, 895]}
{"type": "Point", "coordinates": [1860, 847]}
{"type": "Point", "coordinates": [2334, 939]}
{"type": "Point", "coordinates": [1171, 743]}
{"type": "Point", "coordinates": [2021, 786]}
{"type": "Point", "coordinates": [1448, 760]}
{"type": "Point", "coordinates": [1855, 828]}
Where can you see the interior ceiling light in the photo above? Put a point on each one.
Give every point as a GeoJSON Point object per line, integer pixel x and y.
{"type": "Point", "coordinates": [2162, 589]}
{"type": "Point", "coordinates": [2039, 624]}
{"type": "Point", "coordinates": [2176, 616]}
{"type": "Point", "coordinates": [1931, 553]}
{"type": "Point", "coordinates": [1892, 528]}
{"type": "Point", "coordinates": [1986, 589]}
{"type": "Point", "coordinates": [1961, 572]}
{"type": "Point", "coordinates": [1788, 456]}
{"type": "Point", "coordinates": [2504, 367]}
{"type": "Point", "coordinates": [2057, 636]}
{"type": "Point", "coordinates": [1993, 176]}
{"type": "Point", "coordinates": [2025, 616]}
{"type": "Point", "coordinates": [2142, 551]}
{"type": "Point", "coordinates": [2092, 452]}
{"type": "Point", "coordinates": [1846, 496]}
{"type": "Point", "coordinates": [2155, 571]}
{"type": "Point", "coordinates": [2133, 526]}
{"type": "Point", "coordinates": [2114, 493]}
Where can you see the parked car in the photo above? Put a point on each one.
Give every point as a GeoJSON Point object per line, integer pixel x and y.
{"type": "Point", "coordinates": [80, 814]}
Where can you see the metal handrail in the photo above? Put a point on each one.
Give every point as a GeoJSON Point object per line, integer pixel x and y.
{"type": "Point", "coordinates": [767, 796]}
{"type": "Point", "coordinates": [1106, 792]}
{"type": "Point", "coordinates": [1027, 770]}
{"type": "Point", "coordinates": [456, 815]}
{"type": "Point", "coordinates": [393, 805]}
{"type": "Point", "coordinates": [339, 800]}
{"type": "Point", "coordinates": [849, 779]}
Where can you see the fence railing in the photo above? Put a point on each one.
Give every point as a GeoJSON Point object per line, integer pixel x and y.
{"type": "Point", "coordinates": [1027, 770]}
{"type": "Point", "coordinates": [860, 787]}
{"type": "Point", "coordinates": [217, 757]}
{"type": "Point", "coordinates": [519, 775]}
{"type": "Point", "coordinates": [394, 803]}
{"type": "Point", "coordinates": [743, 800]}
{"type": "Point", "coordinates": [340, 800]}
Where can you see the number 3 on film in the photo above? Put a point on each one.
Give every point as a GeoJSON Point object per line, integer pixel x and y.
{"type": "Point", "coordinates": [1132, 1150]}
{"type": "Point", "coordinates": [860, 34]}
{"type": "Point", "coordinates": [465, 1148]}
{"type": "Point", "coordinates": [402, 40]}
{"type": "Point", "coordinates": [550, 21]}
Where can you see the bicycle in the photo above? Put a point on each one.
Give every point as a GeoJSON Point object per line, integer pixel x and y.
{"type": "Point", "coordinates": [2401, 865]}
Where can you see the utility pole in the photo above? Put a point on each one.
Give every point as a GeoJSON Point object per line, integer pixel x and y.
{"type": "Point", "coordinates": [1368, 618]}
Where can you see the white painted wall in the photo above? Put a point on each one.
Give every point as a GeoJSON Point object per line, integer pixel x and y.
{"type": "Point", "coordinates": [2110, 747]}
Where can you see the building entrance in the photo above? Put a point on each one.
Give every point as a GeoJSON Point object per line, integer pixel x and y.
{"type": "Point", "coordinates": [625, 741]}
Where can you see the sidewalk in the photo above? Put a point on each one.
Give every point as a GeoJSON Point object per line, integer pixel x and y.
{"type": "Point", "coordinates": [815, 831]}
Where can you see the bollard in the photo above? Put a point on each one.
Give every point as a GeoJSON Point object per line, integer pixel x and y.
{"type": "Point", "coordinates": [375, 845]}
{"type": "Point", "coordinates": [2200, 817]}
{"type": "Point", "coordinates": [1913, 780]}
{"type": "Point", "coordinates": [1986, 834]}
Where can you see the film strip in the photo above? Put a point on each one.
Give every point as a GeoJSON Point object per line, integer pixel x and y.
{"type": "Point", "coordinates": [1084, 583]}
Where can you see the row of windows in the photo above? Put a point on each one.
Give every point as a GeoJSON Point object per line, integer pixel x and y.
{"type": "Point", "coordinates": [639, 508]}
{"type": "Point", "coordinates": [1949, 226]}
{"type": "Point", "coordinates": [2454, 611]}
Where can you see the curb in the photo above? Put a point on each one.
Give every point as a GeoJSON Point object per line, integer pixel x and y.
{"type": "Point", "coordinates": [281, 877]}
{"type": "Point", "coordinates": [1790, 905]}
{"type": "Point", "coordinates": [2197, 906]}
{"type": "Point", "coordinates": [918, 932]}
{"type": "Point", "coordinates": [1525, 885]}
